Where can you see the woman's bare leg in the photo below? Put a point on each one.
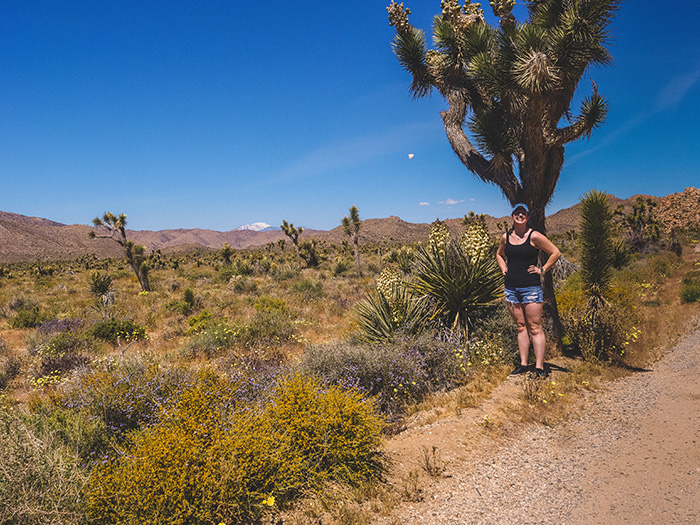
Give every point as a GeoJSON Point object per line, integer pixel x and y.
{"type": "Point", "coordinates": [533, 321]}
{"type": "Point", "coordinates": [518, 313]}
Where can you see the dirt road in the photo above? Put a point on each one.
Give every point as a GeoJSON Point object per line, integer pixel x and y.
{"type": "Point", "coordinates": [633, 457]}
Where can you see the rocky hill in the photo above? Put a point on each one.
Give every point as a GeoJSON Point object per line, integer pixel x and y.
{"type": "Point", "coordinates": [25, 238]}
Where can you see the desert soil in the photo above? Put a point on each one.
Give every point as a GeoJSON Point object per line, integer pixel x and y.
{"type": "Point", "coordinates": [631, 454]}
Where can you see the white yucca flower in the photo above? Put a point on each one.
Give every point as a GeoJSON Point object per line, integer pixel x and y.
{"type": "Point", "coordinates": [439, 236]}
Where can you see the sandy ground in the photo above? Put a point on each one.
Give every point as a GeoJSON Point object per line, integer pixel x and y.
{"type": "Point", "coordinates": [632, 456]}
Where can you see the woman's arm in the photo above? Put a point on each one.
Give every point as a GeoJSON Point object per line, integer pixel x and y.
{"type": "Point", "coordinates": [541, 242]}
{"type": "Point", "coordinates": [501, 255]}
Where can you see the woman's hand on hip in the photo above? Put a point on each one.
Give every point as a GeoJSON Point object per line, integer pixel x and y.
{"type": "Point", "coordinates": [535, 269]}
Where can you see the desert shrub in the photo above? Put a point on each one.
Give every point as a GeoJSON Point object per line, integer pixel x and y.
{"type": "Point", "coordinates": [488, 351]}
{"type": "Point", "coordinates": [458, 285]}
{"type": "Point", "coordinates": [596, 246]}
{"type": "Point", "coordinates": [28, 317]}
{"type": "Point", "coordinates": [225, 274]}
{"type": "Point", "coordinates": [286, 272]}
{"type": "Point", "coordinates": [340, 267]}
{"type": "Point", "coordinates": [268, 327]}
{"type": "Point", "coordinates": [40, 478]}
{"type": "Point", "coordinates": [270, 303]}
{"type": "Point", "coordinates": [111, 330]}
{"type": "Point", "coordinates": [243, 267]}
{"type": "Point", "coordinates": [335, 432]}
{"type": "Point", "coordinates": [212, 338]}
{"type": "Point", "coordinates": [100, 284]}
{"type": "Point", "coordinates": [690, 288]}
{"type": "Point", "coordinates": [495, 323]}
{"type": "Point", "coordinates": [57, 326]}
{"type": "Point", "coordinates": [213, 460]}
{"type": "Point", "coordinates": [600, 334]}
{"type": "Point", "coordinates": [308, 289]}
{"type": "Point", "coordinates": [621, 253]}
{"type": "Point", "coordinates": [393, 374]}
{"type": "Point", "coordinates": [59, 352]}
{"type": "Point", "coordinates": [189, 303]}
{"type": "Point", "coordinates": [122, 395]}
{"type": "Point", "coordinates": [402, 256]}
{"type": "Point", "coordinates": [22, 303]}
{"type": "Point", "coordinates": [266, 265]}
{"type": "Point", "coordinates": [200, 321]}
{"type": "Point", "coordinates": [242, 284]}
{"type": "Point", "coordinates": [10, 368]}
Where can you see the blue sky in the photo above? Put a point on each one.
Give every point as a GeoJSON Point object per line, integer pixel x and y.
{"type": "Point", "coordinates": [215, 114]}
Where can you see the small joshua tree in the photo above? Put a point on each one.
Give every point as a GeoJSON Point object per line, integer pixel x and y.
{"type": "Point", "coordinates": [293, 233]}
{"type": "Point", "coordinates": [225, 253]}
{"type": "Point", "coordinates": [351, 227]}
{"type": "Point", "coordinates": [114, 227]}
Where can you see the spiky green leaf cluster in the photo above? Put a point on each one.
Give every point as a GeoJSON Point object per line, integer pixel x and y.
{"type": "Point", "coordinates": [457, 289]}
{"type": "Point", "coordinates": [511, 86]}
{"type": "Point", "coordinates": [597, 249]}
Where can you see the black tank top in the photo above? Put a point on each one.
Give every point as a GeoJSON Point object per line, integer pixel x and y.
{"type": "Point", "coordinates": [520, 258]}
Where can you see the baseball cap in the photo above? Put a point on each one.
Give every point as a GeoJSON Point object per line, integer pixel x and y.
{"type": "Point", "coordinates": [520, 205]}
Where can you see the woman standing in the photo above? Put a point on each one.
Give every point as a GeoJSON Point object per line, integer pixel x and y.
{"type": "Point", "coordinates": [521, 246]}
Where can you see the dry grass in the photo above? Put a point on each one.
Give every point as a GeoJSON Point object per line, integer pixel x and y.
{"type": "Point", "coordinates": [325, 317]}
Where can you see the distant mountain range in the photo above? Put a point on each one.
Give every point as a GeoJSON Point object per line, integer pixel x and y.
{"type": "Point", "coordinates": [25, 238]}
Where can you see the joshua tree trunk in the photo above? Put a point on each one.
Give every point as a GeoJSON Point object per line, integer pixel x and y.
{"type": "Point", "coordinates": [356, 253]}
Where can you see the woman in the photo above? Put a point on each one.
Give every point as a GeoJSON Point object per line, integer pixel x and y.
{"type": "Point", "coordinates": [521, 247]}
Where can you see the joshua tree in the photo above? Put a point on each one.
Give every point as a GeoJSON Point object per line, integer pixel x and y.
{"type": "Point", "coordinates": [115, 229]}
{"type": "Point", "coordinates": [351, 227]}
{"type": "Point", "coordinates": [293, 233]}
{"type": "Point", "coordinates": [511, 87]}
{"type": "Point", "coordinates": [225, 253]}
{"type": "Point", "coordinates": [641, 223]}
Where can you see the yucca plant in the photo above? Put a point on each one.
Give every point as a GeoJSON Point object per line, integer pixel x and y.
{"type": "Point", "coordinates": [380, 318]}
{"type": "Point", "coordinates": [597, 247]}
{"type": "Point", "coordinates": [457, 287]}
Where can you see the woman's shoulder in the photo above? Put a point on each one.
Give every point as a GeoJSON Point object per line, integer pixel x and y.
{"type": "Point", "coordinates": [539, 239]}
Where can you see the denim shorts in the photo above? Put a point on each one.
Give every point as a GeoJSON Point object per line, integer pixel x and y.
{"type": "Point", "coordinates": [524, 294]}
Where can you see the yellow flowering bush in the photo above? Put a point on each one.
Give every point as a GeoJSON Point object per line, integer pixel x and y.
{"type": "Point", "coordinates": [214, 459]}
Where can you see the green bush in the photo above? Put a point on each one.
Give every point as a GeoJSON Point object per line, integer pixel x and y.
{"type": "Point", "coordinates": [112, 329]}
{"type": "Point", "coordinates": [28, 318]}
{"type": "Point", "coordinates": [268, 327]}
{"type": "Point", "coordinates": [271, 303]}
{"type": "Point", "coordinates": [59, 353]}
{"type": "Point", "coordinates": [458, 285]}
{"type": "Point", "coordinates": [286, 272]}
{"type": "Point", "coordinates": [198, 322]}
{"type": "Point", "coordinates": [690, 289]}
{"type": "Point", "coordinates": [212, 460]}
{"type": "Point", "coordinates": [308, 289]}
{"type": "Point", "coordinates": [600, 334]}
{"type": "Point", "coordinates": [340, 267]}
{"type": "Point", "coordinates": [189, 303]}
{"type": "Point", "coordinates": [211, 339]}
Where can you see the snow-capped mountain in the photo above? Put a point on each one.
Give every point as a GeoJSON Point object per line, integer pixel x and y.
{"type": "Point", "coordinates": [256, 226]}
